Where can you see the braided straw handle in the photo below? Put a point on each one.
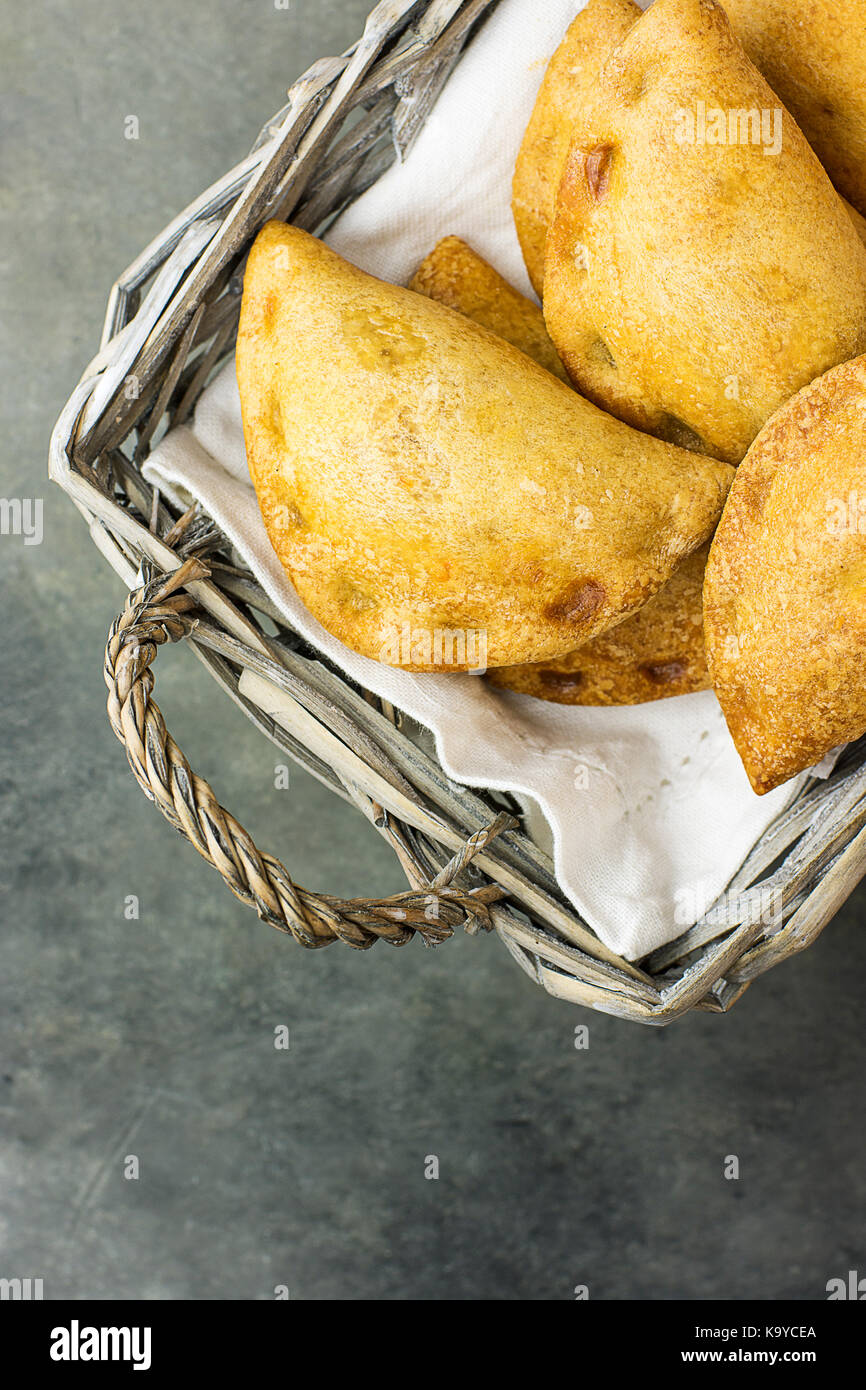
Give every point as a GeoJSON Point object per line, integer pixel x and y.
{"type": "Point", "coordinates": [159, 611]}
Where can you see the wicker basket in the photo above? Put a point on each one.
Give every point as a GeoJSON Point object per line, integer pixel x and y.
{"type": "Point", "coordinates": [171, 321]}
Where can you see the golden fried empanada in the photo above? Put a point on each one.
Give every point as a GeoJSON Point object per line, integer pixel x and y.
{"type": "Point", "coordinates": [691, 287]}
{"type": "Point", "coordinates": [659, 650]}
{"type": "Point", "coordinates": [858, 220]}
{"type": "Point", "coordinates": [785, 588]}
{"type": "Point", "coordinates": [455, 275]}
{"type": "Point", "coordinates": [568, 84]}
{"type": "Point", "coordinates": [813, 53]}
{"type": "Point", "coordinates": [424, 483]}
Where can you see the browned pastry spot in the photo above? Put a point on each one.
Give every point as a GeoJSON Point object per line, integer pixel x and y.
{"type": "Point", "coordinates": [579, 602]}
{"type": "Point", "coordinates": [560, 683]}
{"type": "Point", "coordinates": [666, 672]}
{"type": "Point", "coordinates": [597, 167]}
{"type": "Point", "coordinates": [678, 432]}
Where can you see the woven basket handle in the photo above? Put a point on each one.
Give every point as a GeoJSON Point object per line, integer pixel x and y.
{"type": "Point", "coordinates": [159, 611]}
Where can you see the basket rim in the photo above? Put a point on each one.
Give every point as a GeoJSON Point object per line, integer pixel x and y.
{"type": "Point", "coordinates": [820, 840]}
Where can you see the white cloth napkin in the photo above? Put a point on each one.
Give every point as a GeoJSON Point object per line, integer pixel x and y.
{"type": "Point", "coordinates": [648, 807]}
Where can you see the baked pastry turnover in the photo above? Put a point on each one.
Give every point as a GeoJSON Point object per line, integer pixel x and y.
{"type": "Point", "coordinates": [700, 267]}
{"type": "Point", "coordinates": [419, 477]}
{"type": "Point", "coordinates": [785, 588]}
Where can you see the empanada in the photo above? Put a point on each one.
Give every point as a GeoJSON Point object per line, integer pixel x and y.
{"type": "Point", "coordinates": [431, 490]}
{"type": "Point", "coordinates": [691, 287]}
{"type": "Point", "coordinates": [455, 275]}
{"type": "Point", "coordinates": [658, 651]}
{"type": "Point", "coordinates": [813, 53]}
{"type": "Point", "coordinates": [568, 84]}
{"type": "Point", "coordinates": [785, 588]}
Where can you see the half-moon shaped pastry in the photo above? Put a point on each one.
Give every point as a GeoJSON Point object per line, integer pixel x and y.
{"type": "Point", "coordinates": [700, 266]}
{"type": "Point", "coordinates": [658, 651]}
{"type": "Point", "coordinates": [426, 485]}
{"type": "Point", "coordinates": [568, 84]}
{"type": "Point", "coordinates": [785, 588]}
{"type": "Point", "coordinates": [813, 53]}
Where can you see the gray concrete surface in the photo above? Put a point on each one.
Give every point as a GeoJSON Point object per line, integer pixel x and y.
{"type": "Point", "coordinates": [155, 1037]}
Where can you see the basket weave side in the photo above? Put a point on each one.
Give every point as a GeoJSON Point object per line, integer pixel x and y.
{"type": "Point", "coordinates": [171, 321]}
{"type": "Point", "coordinates": [160, 612]}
